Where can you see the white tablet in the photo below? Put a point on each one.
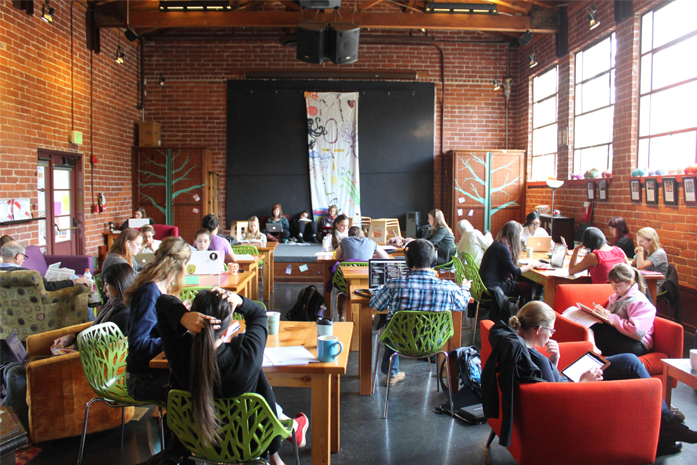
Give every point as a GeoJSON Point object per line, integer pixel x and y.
{"type": "Point", "coordinates": [583, 364]}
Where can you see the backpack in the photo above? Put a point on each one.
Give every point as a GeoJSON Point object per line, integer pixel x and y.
{"type": "Point", "coordinates": [309, 306]}
{"type": "Point", "coordinates": [467, 401]}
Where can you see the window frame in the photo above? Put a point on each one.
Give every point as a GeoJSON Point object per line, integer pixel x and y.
{"type": "Point", "coordinates": [555, 154]}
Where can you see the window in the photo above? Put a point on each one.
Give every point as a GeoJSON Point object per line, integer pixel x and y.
{"type": "Point", "coordinates": [668, 87]}
{"type": "Point", "coordinates": [594, 105]}
{"type": "Point", "coordinates": [544, 126]}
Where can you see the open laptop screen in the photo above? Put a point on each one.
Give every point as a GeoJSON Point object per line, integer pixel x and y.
{"type": "Point", "coordinates": [382, 270]}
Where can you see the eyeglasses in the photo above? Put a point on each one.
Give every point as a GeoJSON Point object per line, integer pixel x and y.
{"type": "Point", "coordinates": [25, 256]}
{"type": "Point", "coordinates": [551, 330]}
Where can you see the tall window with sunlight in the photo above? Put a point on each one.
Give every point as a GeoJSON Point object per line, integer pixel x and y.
{"type": "Point", "coordinates": [544, 126]}
{"type": "Point", "coordinates": [594, 106]}
{"type": "Point", "coordinates": [668, 87]}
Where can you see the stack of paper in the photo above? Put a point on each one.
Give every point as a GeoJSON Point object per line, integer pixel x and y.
{"type": "Point", "coordinates": [284, 356]}
{"type": "Point", "coordinates": [245, 256]}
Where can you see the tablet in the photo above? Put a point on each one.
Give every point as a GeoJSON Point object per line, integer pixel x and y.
{"type": "Point", "coordinates": [583, 364]}
{"type": "Point", "coordinates": [593, 313]}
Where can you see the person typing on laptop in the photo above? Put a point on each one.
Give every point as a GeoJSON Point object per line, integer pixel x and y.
{"type": "Point", "coordinates": [421, 290]}
{"type": "Point", "coordinates": [210, 222]}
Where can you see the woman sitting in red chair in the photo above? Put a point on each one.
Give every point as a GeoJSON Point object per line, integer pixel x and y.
{"type": "Point", "coordinates": [535, 325]}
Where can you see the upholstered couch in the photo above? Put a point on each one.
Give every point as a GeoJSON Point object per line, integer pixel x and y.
{"type": "Point", "coordinates": [164, 230]}
{"type": "Point", "coordinates": [27, 308]}
{"type": "Point", "coordinates": [39, 262]}
{"type": "Point", "coordinates": [57, 392]}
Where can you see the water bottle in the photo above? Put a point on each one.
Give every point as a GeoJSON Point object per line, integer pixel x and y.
{"type": "Point", "coordinates": [88, 275]}
{"type": "Point", "coordinates": [327, 243]}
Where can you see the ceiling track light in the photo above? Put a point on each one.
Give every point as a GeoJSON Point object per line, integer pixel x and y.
{"type": "Point", "coordinates": [497, 85]}
{"type": "Point", "coordinates": [120, 54]}
{"type": "Point", "coordinates": [593, 17]}
{"type": "Point", "coordinates": [466, 8]}
{"type": "Point", "coordinates": [162, 80]}
{"type": "Point", "coordinates": [47, 12]}
{"type": "Point", "coordinates": [533, 59]}
{"type": "Point", "coordinates": [195, 5]}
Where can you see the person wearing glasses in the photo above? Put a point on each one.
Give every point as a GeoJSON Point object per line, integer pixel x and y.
{"type": "Point", "coordinates": [532, 228]}
{"type": "Point", "coordinates": [13, 256]}
{"type": "Point", "coordinates": [534, 323]}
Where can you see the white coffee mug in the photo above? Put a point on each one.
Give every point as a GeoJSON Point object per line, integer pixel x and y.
{"type": "Point", "coordinates": [693, 359]}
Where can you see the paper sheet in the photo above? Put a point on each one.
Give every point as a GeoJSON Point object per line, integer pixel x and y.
{"type": "Point", "coordinates": [244, 256]}
{"type": "Point", "coordinates": [284, 356]}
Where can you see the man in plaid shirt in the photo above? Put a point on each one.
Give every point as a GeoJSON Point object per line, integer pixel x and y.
{"type": "Point", "coordinates": [420, 290]}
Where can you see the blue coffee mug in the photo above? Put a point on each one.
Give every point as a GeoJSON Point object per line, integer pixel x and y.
{"type": "Point", "coordinates": [328, 348]}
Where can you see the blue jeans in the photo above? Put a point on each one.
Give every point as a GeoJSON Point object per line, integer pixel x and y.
{"type": "Point", "coordinates": [628, 366]}
{"type": "Point", "coordinates": [386, 362]}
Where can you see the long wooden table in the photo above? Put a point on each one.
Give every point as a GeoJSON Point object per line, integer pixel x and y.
{"type": "Point", "coordinates": [323, 379]}
{"type": "Point", "coordinates": [365, 338]}
{"type": "Point", "coordinates": [252, 266]}
{"type": "Point", "coordinates": [239, 282]}
{"type": "Point", "coordinates": [267, 253]}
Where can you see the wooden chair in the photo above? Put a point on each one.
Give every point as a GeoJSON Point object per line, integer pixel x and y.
{"type": "Point", "coordinates": [381, 228]}
{"type": "Point", "coordinates": [238, 228]}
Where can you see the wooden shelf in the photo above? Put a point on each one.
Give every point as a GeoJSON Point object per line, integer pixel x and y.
{"type": "Point", "coordinates": [573, 182]}
{"type": "Point", "coordinates": [659, 179]}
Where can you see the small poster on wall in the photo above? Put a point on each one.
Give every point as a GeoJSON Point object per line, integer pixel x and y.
{"type": "Point", "coordinates": [670, 191]}
{"type": "Point", "coordinates": [591, 190]}
{"type": "Point", "coordinates": [15, 210]}
{"type": "Point", "coordinates": [689, 188]}
{"type": "Point", "coordinates": [651, 195]}
{"type": "Point", "coordinates": [635, 190]}
{"type": "Point", "coordinates": [602, 190]}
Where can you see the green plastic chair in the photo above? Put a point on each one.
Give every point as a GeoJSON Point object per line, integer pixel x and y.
{"type": "Point", "coordinates": [340, 285]}
{"type": "Point", "coordinates": [247, 427]}
{"type": "Point", "coordinates": [188, 293]}
{"type": "Point", "coordinates": [103, 351]}
{"type": "Point", "coordinates": [418, 334]}
{"type": "Point", "coordinates": [469, 259]}
{"type": "Point", "coordinates": [247, 249]}
{"type": "Point", "coordinates": [99, 282]}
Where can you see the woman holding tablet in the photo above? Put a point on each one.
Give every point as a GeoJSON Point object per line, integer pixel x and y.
{"type": "Point", "coordinates": [535, 325]}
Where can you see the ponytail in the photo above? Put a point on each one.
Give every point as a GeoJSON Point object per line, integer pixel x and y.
{"type": "Point", "coordinates": [623, 273]}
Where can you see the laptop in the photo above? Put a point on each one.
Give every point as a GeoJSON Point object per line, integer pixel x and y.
{"type": "Point", "coordinates": [381, 270]}
{"type": "Point", "coordinates": [137, 223]}
{"type": "Point", "coordinates": [204, 262]}
{"type": "Point", "coordinates": [274, 227]}
{"type": "Point", "coordinates": [144, 258]}
{"type": "Point", "coordinates": [539, 244]}
{"type": "Point", "coordinates": [17, 348]}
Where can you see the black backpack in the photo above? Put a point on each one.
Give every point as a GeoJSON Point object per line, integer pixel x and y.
{"type": "Point", "coordinates": [309, 306]}
{"type": "Point", "coordinates": [467, 401]}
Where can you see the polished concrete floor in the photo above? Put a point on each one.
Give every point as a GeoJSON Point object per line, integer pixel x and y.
{"type": "Point", "coordinates": [413, 433]}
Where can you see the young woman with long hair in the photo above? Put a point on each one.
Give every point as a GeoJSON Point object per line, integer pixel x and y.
{"type": "Point", "coordinates": [599, 260]}
{"type": "Point", "coordinates": [620, 235]}
{"type": "Point", "coordinates": [340, 229]}
{"type": "Point", "coordinates": [208, 366]}
{"type": "Point", "coordinates": [210, 222]}
{"type": "Point", "coordinates": [165, 275]}
{"type": "Point", "coordinates": [441, 236]}
{"type": "Point", "coordinates": [253, 235]}
{"type": "Point", "coordinates": [125, 247]}
{"type": "Point", "coordinates": [150, 244]}
{"type": "Point", "coordinates": [328, 219]}
{"type": "Point", "coordinates": [532, 228]}
{"type": "Point", "coordinates": [649, 254]}
{"type": "Point", "coordinates": [278, 217]}
{"type": "Point", "coordinates": [500, 263]}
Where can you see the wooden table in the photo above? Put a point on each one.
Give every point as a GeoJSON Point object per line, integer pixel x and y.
{"type": "Point", "coordinates": [253, 267]}
{"type": "Point", "coordinates": [365, 338]}
{"type": "Point", "coordinates": [239, 282]}
{"type": "Point", "coordinates": [267, 253]}
{"type": "Point", "coordinates": [679, 369]}
{"type": "Point", "coordinates": [550, 280]}
{"type": "Point", "coordinates": [323, 379]}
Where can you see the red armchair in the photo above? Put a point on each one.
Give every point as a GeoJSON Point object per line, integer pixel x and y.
{"type": "Point", "coordinates": [163, 230]}
{"type": "Point", "coordinates": [607, 422]}
{"type": "Point", "coordinates": [668, 336]}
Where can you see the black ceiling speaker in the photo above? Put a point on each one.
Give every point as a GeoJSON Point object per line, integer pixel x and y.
{"type": "Point", "coordinates": [343, 43]}
{"type": "Point", "coordinates": [525, 39]}
{"type": "Point", "coordinates": [311, 42]}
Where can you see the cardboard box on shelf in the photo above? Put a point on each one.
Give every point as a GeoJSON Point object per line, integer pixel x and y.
{"type": "Point", "coordinates": [149, 134]}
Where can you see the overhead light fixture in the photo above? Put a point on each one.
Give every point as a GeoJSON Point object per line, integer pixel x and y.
{"type": "Point", "coordinates": [162, 80]}
{"type": "Point", "coordinates": [194, 5]}
{"type": "Point", "coordinates": [497, 86]}
{"type": "Point", "coordinates": [533, 57]}
{"type": "Point", "coordinates": [47, 12]}
{"type": "Point", "coordinates": [467, 8]}
{"type": "Point", "coordinates": [120, 54]}
{"type": "Point", "coordinates": [593, 17]}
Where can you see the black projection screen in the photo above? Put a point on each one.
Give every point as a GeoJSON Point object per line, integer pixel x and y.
{"type": "Point", "coordinates": [267, 157]}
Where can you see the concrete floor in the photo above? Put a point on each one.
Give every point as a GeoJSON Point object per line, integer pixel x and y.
{"type": "Point", "coordinates": [413, 433]}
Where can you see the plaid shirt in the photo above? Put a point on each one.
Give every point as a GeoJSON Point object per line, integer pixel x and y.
{"type": "Point", "coordinates": [420, 290]}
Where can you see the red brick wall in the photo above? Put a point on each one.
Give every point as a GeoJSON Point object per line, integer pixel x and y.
{"type": "Point", "coordinates": [192, 111]}
{"type": "Point", "coordinates": [35, 111]}
{"type": "Point", "coordinates": [675, 224]}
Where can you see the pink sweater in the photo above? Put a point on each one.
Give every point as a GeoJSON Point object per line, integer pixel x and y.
{"type": "Point", "coordinates": [606, 260]}
{"type": "Point", "coordinates": [633, 315]}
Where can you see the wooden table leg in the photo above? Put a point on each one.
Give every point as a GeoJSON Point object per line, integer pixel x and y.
{"type": "Point", "coordinates": [550, 290]}
{"type": "Point", "coordinates": [326, 273]}
{"type": "Point", "coordinates": [667, 384]}
{"type": "Point", "coordinates": [652, 284]}
{"type": "Point", "coordinates": [271, 270]}
{"type": "Point", "coordinates": [454, 342]}
{"type": "Point", "coordinates": [335, 415]}
{"type": "Point", "coordinates": [321, 423]}
{"type": "Point", "coordinates": [365, 349]}
{"type": "Point", "coordinates": [267, 273]}
{"type": "Point", "coordinates": [255, 283]}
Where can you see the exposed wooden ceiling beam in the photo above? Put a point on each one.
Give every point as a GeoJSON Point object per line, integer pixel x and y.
{"type": "Point", "coordinates": [368, 5]}
{"type": "Point", "coordinates": [510, 5]}
{"type": "Point", "coordinates": [290, 5]}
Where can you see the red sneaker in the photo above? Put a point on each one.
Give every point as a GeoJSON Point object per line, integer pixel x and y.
{"type": "Point", "coordinates": [302, 424]}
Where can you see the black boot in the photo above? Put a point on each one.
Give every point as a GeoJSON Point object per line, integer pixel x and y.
{"type": "Point", "coordinates": [668, 448]}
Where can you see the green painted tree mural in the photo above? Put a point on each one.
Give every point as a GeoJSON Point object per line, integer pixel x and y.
{"type": "Point", "coordinates": [167, 180]}
{"type": "Point", "coordinates": [483, 194]}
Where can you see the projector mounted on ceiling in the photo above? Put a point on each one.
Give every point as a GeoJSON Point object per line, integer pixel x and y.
{"type": "Point", "coordinates": [320, 4]}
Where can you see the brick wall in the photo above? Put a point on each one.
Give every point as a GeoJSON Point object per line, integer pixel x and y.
{"type": "Point", "coordinates": [35, 111]}
{"type": "Point", "coordinates": [675, 224]}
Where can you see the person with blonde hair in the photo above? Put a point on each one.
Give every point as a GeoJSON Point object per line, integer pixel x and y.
{"type": "Point", "coordinates": [150, 244]}
{"type": "Point", "coordinates": [534, 324]}
{"type": "Point", "coordinates": [650, 255]}
{"type": "Point", "coordinates": [252, 234]}
{"type": "Point", "coordinates": [165, 275]}
{"type": "Point", "coordinates": [441, 236]}
{"type": "Point", "coordinates": [124, 249]}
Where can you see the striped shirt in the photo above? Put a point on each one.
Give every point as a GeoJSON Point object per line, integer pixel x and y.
{"type": "Point", "coordinates": [421, 290]}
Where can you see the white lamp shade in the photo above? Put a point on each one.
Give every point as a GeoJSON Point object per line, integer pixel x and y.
{"type": "Point", "coordinates": [555, 183]}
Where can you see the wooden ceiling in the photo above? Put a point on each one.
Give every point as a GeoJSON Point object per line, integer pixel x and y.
{"type": "Point", "coordinates": [513, 19]}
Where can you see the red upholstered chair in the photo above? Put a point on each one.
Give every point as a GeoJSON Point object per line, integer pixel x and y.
{"type": "Point", "coordinates": [606, 422]}
{"type": "Point", "coordinates": [668, 337]}
{"type": "Point", "coordinates": [164, 230]}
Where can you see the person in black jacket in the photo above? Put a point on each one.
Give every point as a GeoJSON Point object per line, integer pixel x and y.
{"type": "Point", "coordinates": [219, 368]}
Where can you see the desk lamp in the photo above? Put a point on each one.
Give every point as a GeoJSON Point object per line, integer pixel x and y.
{"type": "Point", "coordinates": [554, 184]}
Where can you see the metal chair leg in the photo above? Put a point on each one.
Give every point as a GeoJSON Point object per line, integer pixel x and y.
{"type": "Point", "coordinates": [294, 440]}
{"type": "Point", "coordinates": [387, 393]}
{"type": "Point", "coordinates": [123, 423]}
{"type": "Point", "coordinates": [492, 435]}
{"type": "Point", "coordinates": [476, 315]}
{"type": "Point", "coordinates": [377, 360]}
{"type": "Point", "coordinates": [450, 388]}
{"type": "Point", "coordinates": [162, 427]}
{"type": "Point", "coordinates": [84, 431]}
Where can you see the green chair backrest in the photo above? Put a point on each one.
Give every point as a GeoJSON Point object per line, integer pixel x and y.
{"type": "Point", "coordinates": [339, 281]}
{"type": "Point", "coordinates": [100, 287]}
{"type": "Point", "coordinates": [243, 249]}
{"type": "Point", "coordinates": [459, 270]}
{"type": "Point", "coordinates": [478, 290]}
{"type": "Point", "coordinates": [444, 266]}
{"type": "Point", "coordinates": [417, 333]}
{"type": "Point", "coordinates": [103, 351]}
{"type": "Point", "coordinates": [469, 259]}
{"type": "Point", "coordinates": [188, 293]}
{"type": "Point", "coordinates": [247, 427]}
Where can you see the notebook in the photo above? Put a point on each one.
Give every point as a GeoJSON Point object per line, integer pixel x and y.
{"type": "Point", "coordinates": [539, 244]}
{"type": "Point", "coordinates": [204, 262]}
{"type": "Point", "coordinates": [381, 270]}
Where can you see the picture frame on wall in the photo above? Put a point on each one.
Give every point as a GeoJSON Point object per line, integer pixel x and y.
{"type": "Point", "coordinates": [689, 189]}
{"type": "Point", "coordinates": [591, 190]}
{"type": "Point", "coordinates": [670, 191]}
{"type": "Point", "coordinates": [602, 190]}
{"type": "Point", "coordinates": [635, 190]}
{"type": "Point", "coordinates": [651, 192]}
